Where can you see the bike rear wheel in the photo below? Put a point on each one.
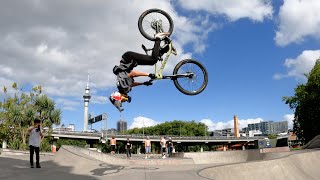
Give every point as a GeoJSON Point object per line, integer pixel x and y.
{"type": "Point", "coordinates": [194, 79]}
{"type": "Point", "coordinates": [153, 21]}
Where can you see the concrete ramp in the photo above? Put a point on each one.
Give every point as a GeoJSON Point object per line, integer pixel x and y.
{"type": "Point", "coordinates": [231, 157]}
{"type": "Point", "coordinates": [313, 144]}
{"type": "Point", "coordinates": [303, 165]}
{"type": "Point", "coordinates": [225, 157]}
{"type": "Point", "coordinates": [73, 154]}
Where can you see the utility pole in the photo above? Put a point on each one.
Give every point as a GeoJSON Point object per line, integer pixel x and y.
{"type": "Point", "coordinates": [143, 128]}
{"type": "Point", "coordinates": [105, 117]}
{"type": "Point", "coordinates": [205, 131]}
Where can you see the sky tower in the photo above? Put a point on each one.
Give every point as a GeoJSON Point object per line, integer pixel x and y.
{"type": "Point", "coordinates": [86, 99]}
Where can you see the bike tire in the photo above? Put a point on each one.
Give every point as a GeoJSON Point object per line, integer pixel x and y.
{"type": "Point", "coordinates": [204, 75]}
{"type": "Point", "coordinates": [144, 14]}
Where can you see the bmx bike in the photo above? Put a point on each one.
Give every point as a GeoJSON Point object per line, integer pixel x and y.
{"type": "Point", "coordinates": [189, 76]}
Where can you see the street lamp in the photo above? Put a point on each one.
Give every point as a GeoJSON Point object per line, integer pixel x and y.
{"type": "Point", "coordinates": [143, 127]}
{"type": "Point", "coordinates": [105, 117]}
{"type": "Point", "coordinates": [205, 130]}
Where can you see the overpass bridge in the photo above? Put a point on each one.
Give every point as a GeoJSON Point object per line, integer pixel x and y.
{"type": "Point", "coordinates": [154, 138]}
{"type": "Point", "coordinates": [137, 139]}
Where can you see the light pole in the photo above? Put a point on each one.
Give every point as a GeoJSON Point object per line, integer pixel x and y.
{"type": "Point", "coordinates": [205, 130]}
{"type": "Point", "coordinates": [143, 127]}
{"type": "Point", "coordinates": [105, 117]}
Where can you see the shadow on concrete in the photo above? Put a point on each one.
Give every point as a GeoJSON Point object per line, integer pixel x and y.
{"type": "Point", "coordinates": [14, 169]}
{"type": "Point", "coordinates": [106, 169]}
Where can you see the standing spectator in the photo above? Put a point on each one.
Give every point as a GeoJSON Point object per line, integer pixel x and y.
{"type": "Point", "coordinates": [147, 146]}
{"type": "Point", "coordinates": [170, 147]}
{"type": "Point", "coordinates": [163, 146]}
{"type": "Point", "coordinates": [113, 144]}
{"type": "Point", "coordinates": [128, 148]}
{"type": "Point", "coordinates": [34, 142]}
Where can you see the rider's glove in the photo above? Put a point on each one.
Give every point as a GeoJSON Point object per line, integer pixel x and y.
{"type": "Point", "coordinates": [152, 76]}
{"type": "Point", "coordinates": [147, 83]}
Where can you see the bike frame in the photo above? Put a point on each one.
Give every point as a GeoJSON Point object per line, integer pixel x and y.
{"type": "Point", "coordinates": [158, 73]}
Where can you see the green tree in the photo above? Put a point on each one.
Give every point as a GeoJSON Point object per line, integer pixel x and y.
{"type": "Point", "coordinates": [18, 111]}
{"type": "Point", "coordinates": [45, 108]}
{"type": "Point", "coordinates": [306, 105]}
{"type": "Point", "coordinates": [272, 136]}
{"type": "Point", "coordinates": [174, 128]}
{"type": "Point", "coordinates": [72, 142]}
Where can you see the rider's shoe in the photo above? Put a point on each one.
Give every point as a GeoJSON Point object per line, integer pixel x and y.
{"type": "Point", "coordinates": [152, 76]}
{"type": "Point", "coordinates": [115, 99]}
{"type": "Point", "coordinates": [162, 35]}
{"type": "Point", "coordinates": [125, 97]}
{"type": "Point", "coordinates": [147, 83]}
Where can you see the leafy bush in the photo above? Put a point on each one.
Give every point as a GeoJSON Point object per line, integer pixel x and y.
{"type": "Point", "coordinates": [79, 143]}
{"type": "Point", "coordinates": [14, 144]}
{"type": "Point", "coordinates": [45, 145]}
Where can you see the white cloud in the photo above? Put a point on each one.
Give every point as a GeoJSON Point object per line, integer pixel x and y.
{"type": "Point", "coordinates": [212, 125]}
{"type": "Point", "coordinates": [256, 10]}
{"type": "Point", "coordinates": [67, 104]}
{"type": "Point", "coordinates": [96, 99]}
{"type": "Point", "coordinates": [39, 46]}
{"type": "Point", "coordinates": [289, 118]}
{"type": "Point", "coordinates": [300, 65]}
{"type": "Point", "coordinates": [8, 84]}
{"type": "Point", "coordinates": [139, 122]}
{"type": "Point", "coordinates": [298, 20]}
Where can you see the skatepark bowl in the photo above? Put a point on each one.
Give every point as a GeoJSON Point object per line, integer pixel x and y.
{"type": "Point", "coordinates": [79, 163]}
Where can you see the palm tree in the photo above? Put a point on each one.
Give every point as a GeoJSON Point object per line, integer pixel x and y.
{"type": "Point", "coordinates": [15, 117]}
{"type": "Point", "coordinates": [45, 108]}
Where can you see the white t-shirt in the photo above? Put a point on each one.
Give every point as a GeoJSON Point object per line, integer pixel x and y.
{"type": "Point", "coordinates": [163, 143]}
{"type": "Point", "coordinates": [34, 139]}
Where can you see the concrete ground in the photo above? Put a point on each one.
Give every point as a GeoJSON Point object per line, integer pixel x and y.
{"type": "Point", "coordinates": [17, 167]}
{"type": "Point", "coordinates": [74, 163]}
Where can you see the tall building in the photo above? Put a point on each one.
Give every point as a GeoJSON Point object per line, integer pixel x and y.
{"type": "Point", "coordinates": [265, 127]}
{"type": "Point", "coordinates": [269, 127]}
{"type": "Point", "coordinates": [216, 133]}
{"type": "Point", "coordinates": [236, 129]}
{"type": "Point", "coordinates": [254, 126]}
{"type": "Point", "coordinates": [86, 99]}
{"type": "Point", "coordinates": [228, 132]}
{"type": "Point", "coordinates": [121, 126]}
{"type": "Point", "coordinates": [279, 127]}
{"type": "Point", "coordinates": [71, 127]}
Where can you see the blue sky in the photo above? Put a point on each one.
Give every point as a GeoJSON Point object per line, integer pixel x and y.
{"type": "Point", "coordinates": [255, 53]}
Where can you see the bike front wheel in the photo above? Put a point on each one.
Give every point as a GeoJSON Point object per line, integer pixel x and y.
{"type": "Point", "coordinates": [191, 77]}
{"type": "Point", "coordinates": [153, 21]}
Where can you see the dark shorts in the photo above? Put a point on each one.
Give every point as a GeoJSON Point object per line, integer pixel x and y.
{"type": "Point", "coordinates": [113, 147]}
